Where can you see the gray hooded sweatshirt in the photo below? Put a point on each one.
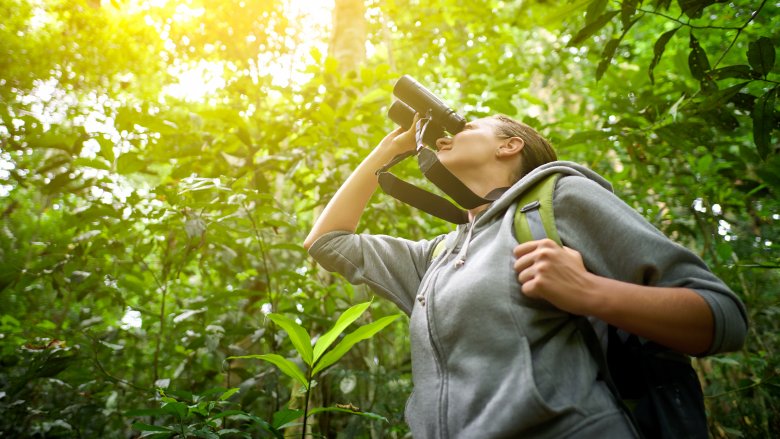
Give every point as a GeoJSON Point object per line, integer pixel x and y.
{"type": "Point", "coordinates": [489, 362]}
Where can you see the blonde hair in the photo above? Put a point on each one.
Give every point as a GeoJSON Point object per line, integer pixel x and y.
{"type": "Point", "coordinates": [537, 150]}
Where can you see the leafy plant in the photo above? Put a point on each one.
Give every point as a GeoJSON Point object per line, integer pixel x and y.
{"type": "Point", "coordinates": [318, 357]}
{"type": "Point", "coordinates": [196, 416]}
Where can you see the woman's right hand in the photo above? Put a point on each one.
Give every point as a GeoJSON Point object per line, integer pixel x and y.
{"type": "Point", "coordinates": [400, 141]}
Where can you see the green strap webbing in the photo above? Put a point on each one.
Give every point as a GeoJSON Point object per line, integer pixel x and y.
{"type": "Point", "coordinates": [534, 218]}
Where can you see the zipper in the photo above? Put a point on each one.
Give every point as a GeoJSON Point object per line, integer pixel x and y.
{"type": "Point", "coordinates": [426, 300]}
{"type": "Point", "coordinates": [437, 356]}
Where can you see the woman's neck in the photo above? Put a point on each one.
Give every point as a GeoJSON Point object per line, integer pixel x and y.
{"type": "Point", "coordinates": [473, 213]}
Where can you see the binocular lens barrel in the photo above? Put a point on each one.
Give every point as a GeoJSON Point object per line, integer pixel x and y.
{"type": "Point", "coordinates": [422, 100]}
{"type": "Point", "coordinates": [403, 115]}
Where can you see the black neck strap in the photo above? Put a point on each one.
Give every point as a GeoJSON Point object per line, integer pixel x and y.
{"type": "Point", "coordinates": [440, 176]}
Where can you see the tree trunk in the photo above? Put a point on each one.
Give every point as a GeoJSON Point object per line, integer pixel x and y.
{"type": "Point", "coordinates": [349, 33]}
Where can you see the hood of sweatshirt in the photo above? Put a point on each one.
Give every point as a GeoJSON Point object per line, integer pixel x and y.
{"type": "Point", "coordinates": [497, 208]}
{"type": "Point", "coordinates": [522, 185]}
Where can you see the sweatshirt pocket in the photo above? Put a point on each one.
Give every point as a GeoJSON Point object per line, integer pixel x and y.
{"type": "Point", "coordinates": [528, 408]}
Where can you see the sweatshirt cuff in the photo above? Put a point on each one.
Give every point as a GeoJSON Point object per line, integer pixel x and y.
{"type": "Point", "coordinates": [317, 248]}
{"type": "Point", "coordinates": [729, 323]}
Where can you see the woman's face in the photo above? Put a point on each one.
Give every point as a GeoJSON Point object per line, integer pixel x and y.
{"type": "Point", "coordinates": [471, 149]}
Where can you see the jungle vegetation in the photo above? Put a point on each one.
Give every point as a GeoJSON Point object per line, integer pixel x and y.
{"type": "Point", "coordinates": [162, 161]}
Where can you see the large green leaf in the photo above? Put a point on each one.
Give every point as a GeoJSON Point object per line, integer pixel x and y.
{"type": "Point", "coordinates": [346, 319]}
{"type": "Point", "coordinates": [282, 418]}
{"type": "Point", "coordinates": [369, 415]}
{"type": "Point", "coordinates": [611, 47]}
{"type": "Point", "coordinates": [627, 11]}
{"type": "Point", "coordinates": [693, 8]}
{"type": "Point", "coordinates": [764, 121]}
{"type": "Point", "coordinates": [553, 16]}
{"type": "Point", "coordinates": [97, 163]}
{"type": "Point", "coordinates": [582, 137]}
{"type": "Point", "coordinates": [761, 55]}
{"type": "Point", "coordinates": [658, 50]}
{"type": "Point", "coordinates": [238, 414]}
{"type": "Point", "coordinates": [741, 71]}
{"type": "Point", "coordinates": [298, 336]}
{"type": "Point", "coordinates": [230, 392]}
{"type": "Point", "coordinates": [362, 333]}
{"type": "Point", "coordinates": [128, 163]}
{"type": "Point", "coordinates": [595, 9]}
{"type": "Point", "coordinates": [606, 57]}
{"type": "Point", "coordinates": [286, 366]}
{"type": "Point", "coordinates": [698, 63]}
{"type": "Point", "coordinates": [587, 31]}
{"type": "Point", "coordinates": [176, 408]}
{"type": "Point", "coordinates": [721, 97]}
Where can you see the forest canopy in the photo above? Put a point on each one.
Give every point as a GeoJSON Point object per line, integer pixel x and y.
{"type": "Point", "coordinates": [161, 163]}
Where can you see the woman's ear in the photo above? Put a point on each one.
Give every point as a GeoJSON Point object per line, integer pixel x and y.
{"type": "Point", "coordinates": [511, 147]}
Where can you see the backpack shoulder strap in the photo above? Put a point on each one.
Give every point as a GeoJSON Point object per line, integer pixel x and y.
{"type": "Point", "coordinates": [534, 217]}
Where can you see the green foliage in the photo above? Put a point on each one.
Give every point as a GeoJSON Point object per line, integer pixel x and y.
{"type": "Point", "coordinates": [200, 416]}
{"type": "Point", "coordinates": [146, 234]}
{"type": "Point", "coordinates": [317, 359]}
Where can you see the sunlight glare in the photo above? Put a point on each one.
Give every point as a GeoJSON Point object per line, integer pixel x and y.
{"type": "Point", "coordinates": [132, 319]}
{"type": "Point", "coordinates": [311, 22]}
{"type": "Point", "coordinates": [196, 82]}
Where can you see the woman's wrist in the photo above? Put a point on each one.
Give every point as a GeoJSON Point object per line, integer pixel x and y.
{"type": "Point", "coordinates": [596, 295]}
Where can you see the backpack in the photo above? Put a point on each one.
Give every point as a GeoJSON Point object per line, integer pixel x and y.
{"type": "Point", "coordinates": [656, 388]}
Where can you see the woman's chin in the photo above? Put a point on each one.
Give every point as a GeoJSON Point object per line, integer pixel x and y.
{"type": "Point", "coordinates": [448, 162]}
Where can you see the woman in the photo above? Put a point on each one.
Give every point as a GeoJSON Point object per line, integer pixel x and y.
{"type": "Point", "coordinates": [495, 352]}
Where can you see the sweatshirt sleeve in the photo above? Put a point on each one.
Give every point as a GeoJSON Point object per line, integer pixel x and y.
{"type": "Point", "coordinates": [617, 242]}
{"type": "Point", "coordinates": [391, 267]}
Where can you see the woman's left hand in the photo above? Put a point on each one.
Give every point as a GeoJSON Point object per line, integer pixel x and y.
{"type": "Point", "coordinates": [556, 274]}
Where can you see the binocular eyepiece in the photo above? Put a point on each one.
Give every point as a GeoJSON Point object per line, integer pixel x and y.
{"type": "Point", "coordinates": [413, 97]}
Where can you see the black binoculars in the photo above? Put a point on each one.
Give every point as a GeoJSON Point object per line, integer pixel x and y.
{"type": "Point", "coordinates": [413, 97]}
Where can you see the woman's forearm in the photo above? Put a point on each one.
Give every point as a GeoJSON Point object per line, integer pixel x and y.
{"type": "Point", "coordinates": [677, 318]}
{"type": "Point", "coordinates": [344, 210]}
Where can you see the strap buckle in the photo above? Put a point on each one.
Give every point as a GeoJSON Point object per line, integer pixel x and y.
{"type": "Point", "coordinates": [531, 206]}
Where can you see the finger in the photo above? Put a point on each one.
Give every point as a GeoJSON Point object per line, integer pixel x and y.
{"type": "Point", "coordinates": [529, 288]}
{"type": "Point", "coordinates": [525, 248]}
{"type": "Point", "coordinates": [548, 243]}
{"type": "Point", "coordinates": [412, 129]}
{"type": "Point", "coordinates": [398, 131]}
{"type": "Point", "coordinates": [522, 264]}
{"type": "Point", "coordinates": [527, 255]}
{"type": "Point", "coordinates": [526, 275]}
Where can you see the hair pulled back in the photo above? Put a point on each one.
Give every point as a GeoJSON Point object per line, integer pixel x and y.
{"type": "Point", "coordinates": [537, 150]}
